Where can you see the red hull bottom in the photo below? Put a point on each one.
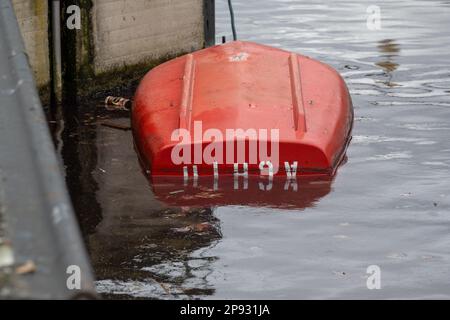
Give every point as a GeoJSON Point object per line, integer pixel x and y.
{"type": "Point", "coordinates": [242, 109]}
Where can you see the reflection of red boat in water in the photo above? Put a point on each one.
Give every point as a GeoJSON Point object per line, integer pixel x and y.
{"type": "Point", "coordinates": [242, 124]}
{"type": "Point", "coordinates": [281, 193]}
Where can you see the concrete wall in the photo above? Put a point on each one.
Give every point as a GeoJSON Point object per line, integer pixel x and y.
{"type": "Point", "coordinates": [130, 32]}
{"type": "Point", "coordinates": [115, 37]}
{"type": "Point", "coordinates": [32, 16]}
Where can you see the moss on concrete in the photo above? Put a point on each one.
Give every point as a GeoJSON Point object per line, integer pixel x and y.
{"type": "Point", "coordinates": [125, 76]}
{"type": "Point", "coordinates": [45, 94]}
{"type": "Point", "coordinates": [80, 78]}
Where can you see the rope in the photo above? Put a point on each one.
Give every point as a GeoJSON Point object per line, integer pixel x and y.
{"type": "Point", "coordinates": [233, 26]}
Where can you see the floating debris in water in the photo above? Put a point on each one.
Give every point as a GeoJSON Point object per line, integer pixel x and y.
{"type": "Point", "coordinates": [198, 227]}
{"type": "Point", "coordinates": [27, 267]}
{"type": "Point", "coordinates": [201, 227]}
{"type": "Point", "coordinates": [117, 103]}
{"type": "Point", "coordinates": [182, 230]}
{"type": "Point", "coordinates": [339, 273]}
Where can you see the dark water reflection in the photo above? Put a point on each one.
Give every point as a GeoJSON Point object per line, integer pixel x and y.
{"type": "Point", "coordinates": [388, 206]}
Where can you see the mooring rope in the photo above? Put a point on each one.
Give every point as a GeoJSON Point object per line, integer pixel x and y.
{"type": "Point", "coordinates": [233, 26]}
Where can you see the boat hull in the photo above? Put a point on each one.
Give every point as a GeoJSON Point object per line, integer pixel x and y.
{"type": "Point", "coordinates": [242, 108]}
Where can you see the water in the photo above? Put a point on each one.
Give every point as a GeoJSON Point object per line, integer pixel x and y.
{"type": "Point", "coordinates": [388, 205]}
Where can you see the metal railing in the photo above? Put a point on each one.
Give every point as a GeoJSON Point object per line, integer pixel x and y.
{"type": "Point", "coordinates": [39, 223]}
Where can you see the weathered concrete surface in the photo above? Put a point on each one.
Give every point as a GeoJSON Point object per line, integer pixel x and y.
{"type": "Point", "coordinates": [32, 16]}
{"type": "Point", "coordinates": [131, 32]}
{"type": "Point", "coordinates": [116, 37]}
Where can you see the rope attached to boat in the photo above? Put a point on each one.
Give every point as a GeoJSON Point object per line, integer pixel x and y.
{"type": "Point", "coordinates": [233, 26]}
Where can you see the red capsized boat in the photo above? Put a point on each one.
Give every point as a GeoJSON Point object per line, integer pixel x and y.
{"type": "Point", "coordinates": [289, 115]}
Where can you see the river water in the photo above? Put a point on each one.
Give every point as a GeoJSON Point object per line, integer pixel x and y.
{"type": "Point", "coordinates": [388, 206]}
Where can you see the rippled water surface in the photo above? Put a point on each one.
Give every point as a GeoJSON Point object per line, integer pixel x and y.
{"type": "Point", "coordinates": [388, 205]}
